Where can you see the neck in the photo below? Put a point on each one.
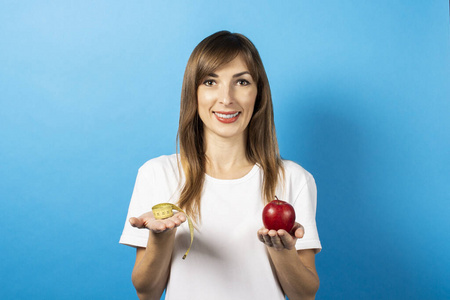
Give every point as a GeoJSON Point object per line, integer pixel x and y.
{"type": "Point", "coordinates": [226, 157]}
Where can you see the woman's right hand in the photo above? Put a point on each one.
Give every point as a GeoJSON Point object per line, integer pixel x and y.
{"type": "Point", "coordinates": [148, 221]}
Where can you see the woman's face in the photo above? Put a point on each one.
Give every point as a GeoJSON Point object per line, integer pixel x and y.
{"type": "Point", "coordinates": [226, 99]}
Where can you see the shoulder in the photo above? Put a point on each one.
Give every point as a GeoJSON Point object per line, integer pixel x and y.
{"type": "Point", "coordinates": [297, 183]}
{"type": "Point", "coordinates": [293, 171]}
{"type": "Point", "coordinates": [164, 163]}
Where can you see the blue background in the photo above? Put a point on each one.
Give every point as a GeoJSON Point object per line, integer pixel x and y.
{"type": "Point", "coordinates": [89, 90]}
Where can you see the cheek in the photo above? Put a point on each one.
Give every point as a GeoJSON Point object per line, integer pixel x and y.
{"type": "Point", "coordinates": [200, 100]}
{"type": "Point", "coordinates": [204, 99]}
{"type": "Point", "coordinates": [203, 105]}
{"type": "Point", "coordinates": [250, 101]}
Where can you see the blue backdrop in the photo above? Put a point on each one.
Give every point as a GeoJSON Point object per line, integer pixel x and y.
{"type": "Point", "coordinates": [89, 90]}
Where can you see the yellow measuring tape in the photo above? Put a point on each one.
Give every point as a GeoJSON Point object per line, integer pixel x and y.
{"type": "Point", "coordinates": [164, 211]}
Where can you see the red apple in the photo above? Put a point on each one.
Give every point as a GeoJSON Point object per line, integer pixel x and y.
{"type": "Point", "coordinates": [278, 214]}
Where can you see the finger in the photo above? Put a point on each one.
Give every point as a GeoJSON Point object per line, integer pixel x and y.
{"type": "Point", "coordinates": [157, 227]}
{"type": "Point", "coordinates": [261, 238]}
{"type": "Point", "coordinates": [136, 222]}
{"type": "Point", "coordinates": [267, 240]}
{"type": "Point", "coordinates": [177, 222]}
{"type": "Point", "coordinates": [287, 240]}
{"type": "Point", "coordinates": [169, 223]}
{"type": "Point", "coordinates": [276, 241]}
{"type": "Point", "coordinates": [261, 232]}
{"type": "Point", "coordinates": [180, 216]}
{"type": "Point", "coordinates": [299, 231]}
{"type": "Point", "coordinates": [174, 221]}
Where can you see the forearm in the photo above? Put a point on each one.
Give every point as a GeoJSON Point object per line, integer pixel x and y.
{"type": "Point", "coordinates": [297, 280]}
{"type": "Point", "coordinates": [151, 272]}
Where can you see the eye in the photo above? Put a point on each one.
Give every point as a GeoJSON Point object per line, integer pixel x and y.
{"type": "Point", "coordinates": [209, 82]}
{"type": "Point", "coordinates": [243, 82]}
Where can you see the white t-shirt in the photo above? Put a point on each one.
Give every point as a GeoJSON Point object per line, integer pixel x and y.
{"type": "Point", "coordinates": [226, 261]}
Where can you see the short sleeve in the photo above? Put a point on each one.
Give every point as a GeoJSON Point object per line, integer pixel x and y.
{"type": "Point", "coordinates": [139, 204]}
{"type": "Point", "coordinates": [305, 207]}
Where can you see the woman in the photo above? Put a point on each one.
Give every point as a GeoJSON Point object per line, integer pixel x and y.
{"type": "Point", "coordinates": [227, 169]}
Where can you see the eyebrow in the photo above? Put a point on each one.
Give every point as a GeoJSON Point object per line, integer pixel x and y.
{"type": "Point", "coordinates": [234, 76]}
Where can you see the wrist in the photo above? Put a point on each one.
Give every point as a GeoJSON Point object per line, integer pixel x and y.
{"type": "Point", "coordinates": [161, 238]}
{"type": "Point", "coordinates": [284, 254]}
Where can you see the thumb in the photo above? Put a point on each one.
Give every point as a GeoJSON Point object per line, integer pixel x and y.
{"type": "Point", "coordinates": [136, 222]}
{"type": "Point", "coordinates": [298, 230]}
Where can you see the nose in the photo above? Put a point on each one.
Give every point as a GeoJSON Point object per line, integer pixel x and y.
{"type": "Point", "coordinates": [226, 95]}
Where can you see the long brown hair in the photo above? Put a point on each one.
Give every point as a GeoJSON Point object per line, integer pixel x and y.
{"type": "Point", "coordinates": [261, 148]}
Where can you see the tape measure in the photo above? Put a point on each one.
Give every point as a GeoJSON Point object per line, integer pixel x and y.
{"type": "Point", "coordinates": [165, 210]}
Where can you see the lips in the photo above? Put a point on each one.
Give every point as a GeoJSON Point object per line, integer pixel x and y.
{"type": "Point", "coordinates": [227, 117]}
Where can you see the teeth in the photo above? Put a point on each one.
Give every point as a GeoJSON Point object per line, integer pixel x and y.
{"type": "Point", "coordinates": [226, 116]}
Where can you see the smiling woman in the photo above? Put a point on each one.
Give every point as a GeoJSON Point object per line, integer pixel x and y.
{"type": "Point", "coordinates": [228, 159]}
{"type": "Point", "coordinates": [226, 100]}
{"type": "Point", "coordinates": [211, 55]}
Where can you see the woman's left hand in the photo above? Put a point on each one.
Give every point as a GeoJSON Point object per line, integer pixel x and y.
{"type": "Point", "coordinates": [281, 239]}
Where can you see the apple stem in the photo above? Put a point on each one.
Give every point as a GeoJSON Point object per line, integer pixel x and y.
{"type": "Point", "coordinates": [276, 198]}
